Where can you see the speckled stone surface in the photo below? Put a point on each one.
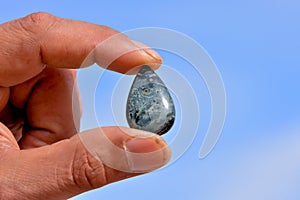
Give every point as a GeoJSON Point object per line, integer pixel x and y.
{"type": "Point", "coordinates": [149, 104]}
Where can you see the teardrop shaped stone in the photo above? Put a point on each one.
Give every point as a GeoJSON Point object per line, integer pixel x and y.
{"type": "Point", "coordinates": [149, 104]}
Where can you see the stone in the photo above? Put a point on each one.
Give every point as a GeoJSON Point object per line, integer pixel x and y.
{"type": "Point", "coordinates": [149, 104]}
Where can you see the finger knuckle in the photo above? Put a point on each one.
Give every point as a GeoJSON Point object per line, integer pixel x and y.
{"type": "Point", "coordinates": [38, 21]}
{"type": "Point", "coordinates": [87, 171]}
{"type": "Point", "coordinates": [39, 17]}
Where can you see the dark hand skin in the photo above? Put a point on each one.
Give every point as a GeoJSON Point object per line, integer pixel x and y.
{"type": "Point", "coordinates": [41, 156]}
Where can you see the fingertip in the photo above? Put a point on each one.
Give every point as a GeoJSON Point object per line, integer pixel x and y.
{"type": "Point", "coordinates": [131, 62]}
{"type": "Point", "coordinates": [121, 54]}
{"type": "Point", "coordinates": [156, 58]}
{"type": "Point", "coordinates": [126, 150]}
{"type": "Point", "coordinates": [147, 154]}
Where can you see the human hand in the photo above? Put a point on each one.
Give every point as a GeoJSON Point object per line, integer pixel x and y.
{"type": "Point", "coordinates": [41, 154]}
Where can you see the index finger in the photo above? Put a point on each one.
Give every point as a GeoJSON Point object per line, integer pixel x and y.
{"type": "Point", "coordinates": [39, 39]}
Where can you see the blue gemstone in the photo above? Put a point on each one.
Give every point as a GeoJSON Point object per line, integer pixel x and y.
{"type": "Point", "coordinates": [149, 104]}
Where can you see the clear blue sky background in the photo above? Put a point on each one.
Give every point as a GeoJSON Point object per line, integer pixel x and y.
{"type": "Point", "coordinates": [256, 47]}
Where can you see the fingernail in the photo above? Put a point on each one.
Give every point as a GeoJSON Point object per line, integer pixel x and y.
{"type": "Point", "coordinates": [146, 154]}
{"type": "Point", "coordinates": [149, 52]}
{"type": "Point", "coordinates": [154, 55]}
{"type": "Point", "coordinates": [137, 133]}
{"type": "Point", "coordinates": [109, 50]}
{"type": "Point", "coordinates": [114, 47]}
{"type": "Point", "coordinates": [138, 152]}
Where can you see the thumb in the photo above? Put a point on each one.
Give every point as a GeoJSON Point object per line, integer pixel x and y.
{"type": "Point", "coordinates": [87, 161]}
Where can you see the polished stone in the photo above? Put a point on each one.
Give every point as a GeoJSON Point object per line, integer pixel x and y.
{"type": "Point", "coordinates": [149, 104]}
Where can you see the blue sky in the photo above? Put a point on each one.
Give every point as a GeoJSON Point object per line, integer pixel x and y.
{"type": "Point", "coordinates": [256, 46]}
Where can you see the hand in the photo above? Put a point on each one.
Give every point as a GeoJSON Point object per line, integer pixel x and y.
{"type": "Point", "coordinates": [41, 154]}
